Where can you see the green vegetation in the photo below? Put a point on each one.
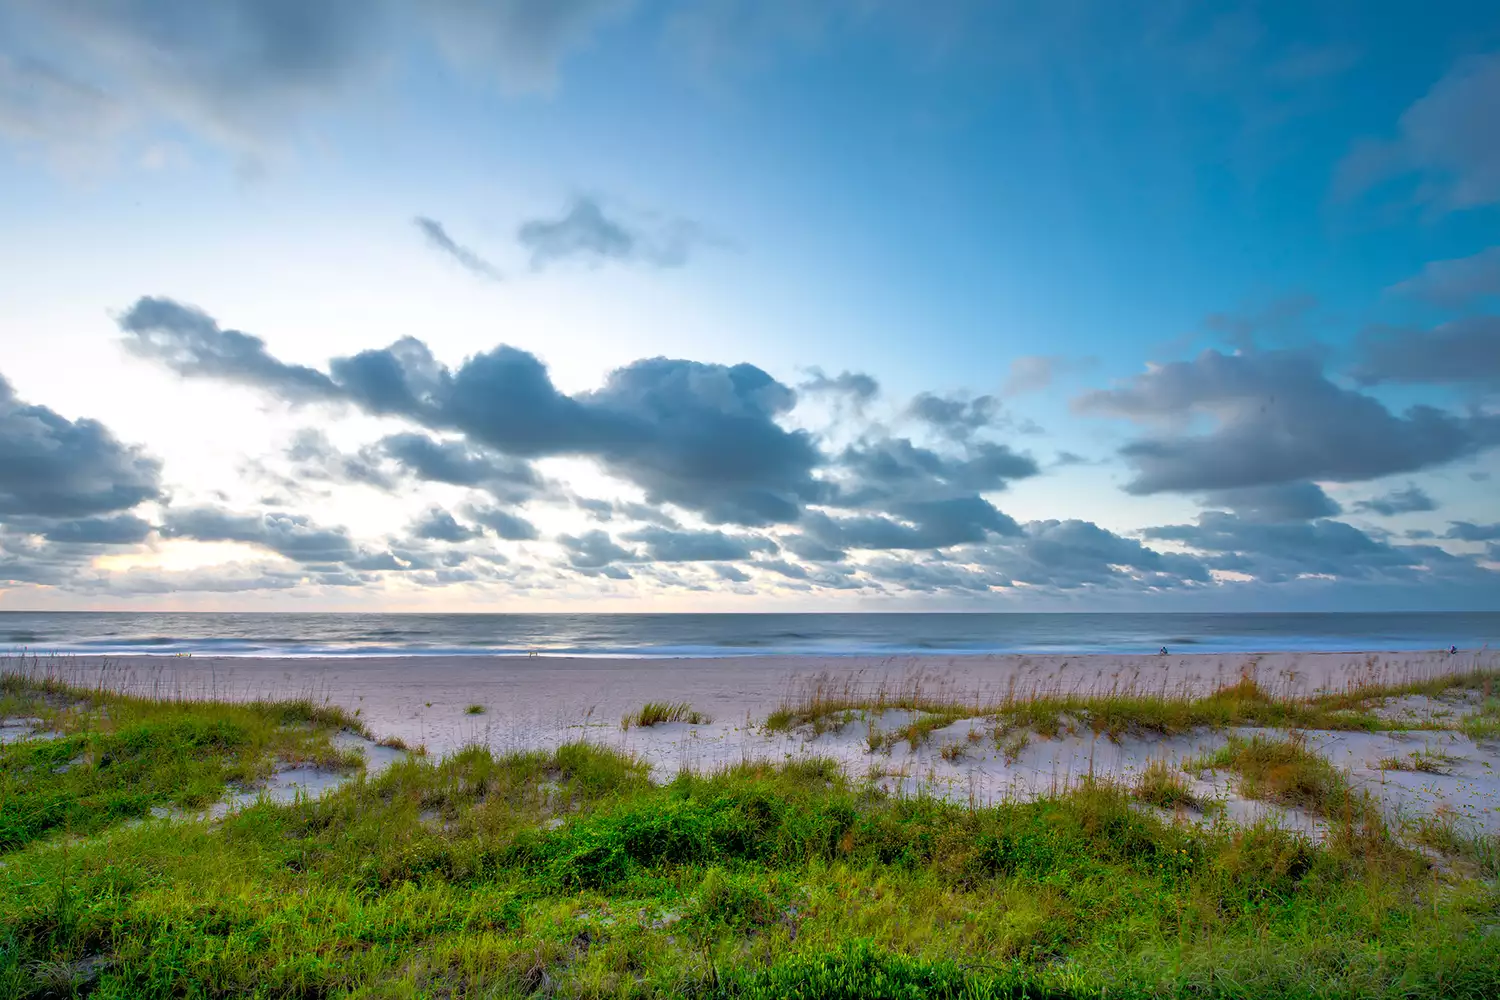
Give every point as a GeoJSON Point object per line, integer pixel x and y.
{"type": "Point", "coordinates": [1160, 785]}
{"type": "Point", "coordinates": [569, 873]}
{"type": "Point", "coordinates": [1425, 761]}
{"type": "Point", "coordinates": [1245, 703]}
{"type": "Point", "coordinates": [656, 712]}
{"type": "Point", "coordinates": [474, 710]}
{"type": "Point", "coordinates": [1285, 772]}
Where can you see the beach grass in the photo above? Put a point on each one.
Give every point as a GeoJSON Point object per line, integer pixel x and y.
{"type": "Point", "coordinates": [1161, 785]}
{"type": "Point", "coordinates": [570, 873]}
{"type": "Point", "coordinates": [474, 710]}
{"type": "Point", "coordinates": [829, 703]}
{"type": "Point", "coordinates": [654, 713]}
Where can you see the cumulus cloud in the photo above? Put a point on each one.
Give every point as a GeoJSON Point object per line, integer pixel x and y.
{"type": "Point", "coordinates": [665, 545]}
{"type": "Point", "coordinates": [1449, 139]}
{"type": "Point", "coordinates": [922, 524]}
{"type": "Point", "coordinates": [437, 237]}
{"type": "Point", "coordinates": [1067, 554]}
{"type": "Point", "coordinates": [1277, 419]}
{"type": "Point", "coordinates": [293, 536]}
{"type": "Point", "coordinates": [121, 529]}
{"type": "Point", "coordinates": [1467, 531]}
{"type": "Point", "coordinates": [855, 385]}
{"type": "Point", "coordinates": [584, 232]}
{"type": "Point", "coordinates": [1412, 499]}
{"type": "Point", "coordinates": [1297, 501]}
{"type": "Point", "coordinates": [955, 417]}
{"type": "Point", "coordinates": [506, 525]}
{"type": "Point", "coordinates": [1279, 552]}
{"type": "Point", "coordinates": [437, 525]}
{"type": "Point", "coordinates": [1463, 351]}
{"type": "Point", "coordinates": [704, 437]}
{"type": "Point", "coordinates": [595, 550]}
{"type": "Point", "coordinates": [54, 467]}
{"type": "Point", "coordinates": [397, 458]}
{"type": "Point", "coordinates": [1457, 282]}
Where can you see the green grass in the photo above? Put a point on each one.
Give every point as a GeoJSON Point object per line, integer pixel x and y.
{"type": "Point", "coordinates": [1244, 703]}
{"type": "Point", "coordinates": [1425, 761]}
{"type": "Point", "coordinates": [654, 713]}
{"type": "Point", "coordinates": [1161, 785]}
{"type": "Point", "coordinates": [569, 873]}
{"type": "Point", "coordinates": [474, 710]}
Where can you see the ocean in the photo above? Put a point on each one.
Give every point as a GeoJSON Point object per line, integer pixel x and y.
{"type": "Point", "coordinates": [630, 635]}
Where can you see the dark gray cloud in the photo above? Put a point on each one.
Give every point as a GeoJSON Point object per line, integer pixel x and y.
{"type": "Point", "coordinates": [54, 467]}
{"type": "Point", "coordinates": [732, 574]}
{"type": "Point", "coordinates": [608, 510]}
{"type": "Point", "coordinates": [121, 529]}
{"type": "Point", "coordinates": [856, 385]}
{"type": "Point", "coordinates": [1278, 552]}
{"type": "Point", "coordinates": [437, 525]}
{"type": "Point", "coordinates": [586, 233]}
{"type": "Point", "coordinates": [1069, 554]}
{"type": "Point", "coordinates": [812, 550]}
{"type": "Point", "coordinates": [511, 527]}
{"type": "Point", "coordinates": [396, 458]}
{"type": "Point", "coordinates": [955, 417]}
{"type": "Point", "coordinates": [595, 550]}
{"type": "Point", "coordinates": [1411, 500]}
{"type": "Point", "coordinates": [188, 341]}
{"type": "Point", "coordinates": [291, 535]}
{"type": "Point", "coordinates": [1455, 283]}
{"type": "Point", "coordinates": [1464, 351]}
{"type": "Point", "coordinates": [1468, 531]}
{"type": "Point", "coordinates": [1449, 140]}
{"type": "Point", "coordinates": [437, 237]}
{"type": "Point", "coordinates": [1278, 420]}
{"type": "Point", "coordinates": [894, 468]}
{"type": "Point", "coordinates": [703, 437]}
{"type": "Point", "coordinates": [664, 545]}
{"type": "Point", "coordinates": [1297, 501]}
{"type": "Point", "coordinates": [923, 524]}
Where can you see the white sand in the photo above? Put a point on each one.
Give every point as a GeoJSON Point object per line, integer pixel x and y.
{"type": "Point", "coordinates": [539, 702]}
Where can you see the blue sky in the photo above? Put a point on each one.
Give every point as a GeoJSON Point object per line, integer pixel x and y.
{"type": "Point", "coordinates": [1163, 305]}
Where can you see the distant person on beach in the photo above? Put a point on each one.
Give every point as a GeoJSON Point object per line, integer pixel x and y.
{"type": "Point", "coordinates": [1452, 649]}
{"type": "Point", "coordinates": [1164, 651]}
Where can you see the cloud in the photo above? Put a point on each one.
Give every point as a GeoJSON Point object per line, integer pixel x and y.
{"type": "Point", "coordinates": [1467, 531]}
{"type": "Point", "coordinates": [1067, 554]}
{"type": "Point", "coordinates": [293, 536]}
{"type": "Point", "coordinates": [856, 385]}
{"type": "Point", "coordinates": [704, 437]}
{"type": "Point", "coordinates": [395, 458]}
{"type": "Point", "coordinates": [955, 417]}
{"type": "Point", "coordinates": [54, 467]}
{"type": "Point", "coordinates": [1296, 501]}
{"type": "Point", "coordinates": [1410, 500]}
{"type": "Point", "coordinates": [121, 529]}
{"type": "Point", "coordinates": [437, 237]}
{"type": "Point", "coordinates": [438, 525]}
{"type": "Point", "coordinates": [663, 545]}
{"type": "Point", "coordinates": [584, 232]}
{"type": "Point", "coordinates": [1457, 282]}
{"type": "Point", "coordinates": [249, 74]}
{"type": "Point", "coordinates": [885, 469]}
{"type": "Point", "coordinates": [1279, 316]}
{"type": "Point", "coordinates": [1035, 372]}
{"type": "Point", "coordinates": [188, 341]}
{"type": "Point", "coordinates": [1278, 552]}
{"type": "Point", "coordinates": [928, 524]}
{"type": "Point", "coordinates": [1449, 139]}
{"type": "Point", "coordinates": [1464, 351]}
{"type": "Point", "coordinates": [504, 524]}
{"type": "Point", "coordinates": [595, 550]}
{"type": "Point", "coordinates": [1277, 419]}
{"type": "Point", "coordinates": [520, 42]}
{"type": "Point", "coordinates": [732, 574]}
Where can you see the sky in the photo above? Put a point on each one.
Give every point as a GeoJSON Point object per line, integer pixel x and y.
{"type": "Point", "coordinates": [749, 305]}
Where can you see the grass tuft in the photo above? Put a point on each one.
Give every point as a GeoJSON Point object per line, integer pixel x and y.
{"type": "Point", "coordinates": [475, 710]}
{"type": "Point", "coordinates": [1161, 785]}
{"type": "Point", "coordinates": [654, 713]}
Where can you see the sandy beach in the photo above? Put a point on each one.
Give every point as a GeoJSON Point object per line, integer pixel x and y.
{"type": "Point", "coordinates": [540, 701]}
